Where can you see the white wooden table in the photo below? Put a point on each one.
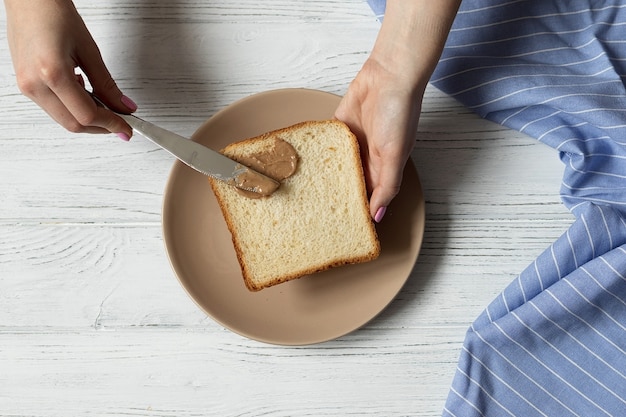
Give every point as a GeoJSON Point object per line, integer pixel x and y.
{"type": "Point", "coordinates": [93, 321]}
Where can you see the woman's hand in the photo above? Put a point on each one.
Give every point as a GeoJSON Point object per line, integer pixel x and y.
{"type": "Point", "coordinates": [383, 113]}
{"type": "Point", "coordinates": [383, 103]}
{"type": "Point", "coordinates": [48, 41]}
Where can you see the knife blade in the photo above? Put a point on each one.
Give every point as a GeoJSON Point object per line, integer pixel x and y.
{"type": "Point", "coordinates": [199, 157]}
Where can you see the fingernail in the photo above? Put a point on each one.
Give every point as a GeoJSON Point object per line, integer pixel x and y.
{"type": "Point", "coordinates": [123, 136]}
{"type": "Point", "coordinates": [128, 103]}
{"type": "Point", "coordinates": [379, 214]}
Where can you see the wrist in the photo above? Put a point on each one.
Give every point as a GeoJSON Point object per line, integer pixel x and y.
{"type": "Point", "coordinates": [412, 38]}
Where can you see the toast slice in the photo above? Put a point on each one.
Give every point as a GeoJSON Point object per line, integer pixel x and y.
{"type": "Point", "coordinates": [318, 218]}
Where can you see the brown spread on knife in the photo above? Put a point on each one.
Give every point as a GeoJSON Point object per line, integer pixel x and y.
{"type": "Point", "coordinates": [261, 185]}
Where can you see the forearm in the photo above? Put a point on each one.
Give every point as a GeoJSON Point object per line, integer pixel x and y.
{"type": "Point", "coordinates": [412, 37]}
{"type": "Point", "coordinates": [28, 19]}
{"type": "Point", "coordinates": [14, 6]}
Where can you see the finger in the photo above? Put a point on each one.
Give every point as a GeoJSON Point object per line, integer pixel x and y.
{"type": "Point", "coordinates": [50, 103]}
{"type": "Point", "coordinates": [382, 196]}
{"type": "Point", "coordinates": [386, 188]}
{"type": "Point", "coordinates": [36, 86]}
{"type": "Point", "coordinates": [83, 109]}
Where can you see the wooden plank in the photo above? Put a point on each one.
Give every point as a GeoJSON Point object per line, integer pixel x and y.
{"type": "Point", "coordinates": [183, 372]}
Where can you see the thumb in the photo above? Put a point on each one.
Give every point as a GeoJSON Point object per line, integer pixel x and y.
{"type": "Point", "coordinates": [390, 181]}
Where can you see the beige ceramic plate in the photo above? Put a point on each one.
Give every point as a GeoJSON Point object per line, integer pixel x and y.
{"type": "Point", "coordinates": [308, 310]}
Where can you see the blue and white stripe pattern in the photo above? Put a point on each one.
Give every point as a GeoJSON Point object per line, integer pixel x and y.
{"type": "Point", "coordinates": [378, 6]}
{"type": "Point", "coordinates": [554, 342]}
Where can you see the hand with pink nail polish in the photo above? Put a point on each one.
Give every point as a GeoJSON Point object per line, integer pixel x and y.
{"type": "Point", "coordinates": [382, 105]}
{"type": "Point", "coordinates": [49, 41]}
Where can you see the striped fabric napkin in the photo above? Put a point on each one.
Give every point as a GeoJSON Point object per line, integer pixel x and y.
{"type": "Point", "coordinates": [554, 342]}
{"type": "Point", "coordinates": [378, 6]}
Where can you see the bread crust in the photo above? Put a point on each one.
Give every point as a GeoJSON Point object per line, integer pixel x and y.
{"type": "Point", "coordinates": [224, 195]}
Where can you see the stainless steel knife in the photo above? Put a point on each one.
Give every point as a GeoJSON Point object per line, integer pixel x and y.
{"type": "Point", "coordinates": [199, 157]}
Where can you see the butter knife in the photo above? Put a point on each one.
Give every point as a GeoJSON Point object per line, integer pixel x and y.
{"type": "Point", "coordinates": [199, 157]}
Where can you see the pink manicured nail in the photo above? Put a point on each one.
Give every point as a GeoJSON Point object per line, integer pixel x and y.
{"type": "Point", "coordinates": [123, 136]}
{"type": "Point", "coordinates": [128, 103]}
{"type": "Point", "coordinates": [379, 214]}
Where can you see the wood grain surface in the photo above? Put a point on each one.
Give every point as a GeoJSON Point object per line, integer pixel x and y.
{"type": "Point", "coordinates": [93, 321]}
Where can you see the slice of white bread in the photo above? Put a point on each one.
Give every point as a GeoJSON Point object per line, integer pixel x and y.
{"type": "Point", "coordinates": [317, 219]}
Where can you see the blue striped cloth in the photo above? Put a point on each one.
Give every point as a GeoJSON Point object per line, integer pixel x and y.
{"type": "Point", "coordinates": [378, 6]}
{"type": "Point", "coordinates": [554, 342]}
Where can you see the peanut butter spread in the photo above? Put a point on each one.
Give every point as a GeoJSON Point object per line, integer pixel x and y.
{"type": "Point", "coordinates": [262, 185]}
{"type": "Point", "coordinates": [278, 162]}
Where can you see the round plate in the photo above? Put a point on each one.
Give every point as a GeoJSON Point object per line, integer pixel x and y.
{"type": "Point", "coordinates": [308, 310]}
